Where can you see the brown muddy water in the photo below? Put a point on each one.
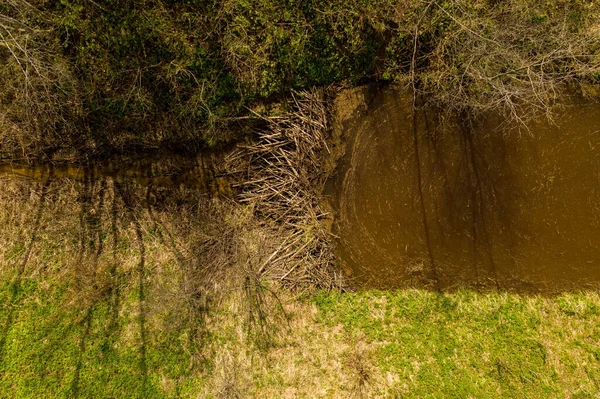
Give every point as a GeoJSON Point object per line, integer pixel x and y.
{"type": "Point", "coordinates": [448, 203]}
{"type": "Point", "coordinates": [168, 171]}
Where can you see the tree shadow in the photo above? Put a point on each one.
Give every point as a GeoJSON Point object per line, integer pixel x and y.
{"type": "Point", "coordinates": [195, 271]}
{"type": "Point", "coordinates": [87, 322]}
{"type": "Point", "coordinates": [462, 195]}
{"type": "Point", "coordinates": [125, 192]}
{"type": "Point", "coordinates": [113, 287]}
{"type": "Point", "coordinates": [421, 196]}
{"type": "Point", "coordinates": [101, 214]}
{"type": "Point", "coordinates": [91, 245]}
{"type": "Point", "coordinates": [15, 285]}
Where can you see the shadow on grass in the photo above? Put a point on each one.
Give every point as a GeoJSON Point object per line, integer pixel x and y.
{"type": "Point", "coordinates": [15, 286]}
{"type": "Point", "coordinates": [87, 322]}
{"type": "Point", "coordinates": [124, 192]}
{"type": "Point", "coordinates": [103, 239]}
{"type": "Point", "coordinates": [91, 240]}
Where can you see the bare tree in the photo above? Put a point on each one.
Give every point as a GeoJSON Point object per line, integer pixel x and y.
{"type": "Point", "coordinates": [36, 88]}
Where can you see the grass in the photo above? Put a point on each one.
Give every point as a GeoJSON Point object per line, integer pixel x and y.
{"type": "Point", "coordinates": [49, 351]}
{"type": "Point", "coordinates": [410, 344]}
{"type": "Point", "coordinates": [467, 344]}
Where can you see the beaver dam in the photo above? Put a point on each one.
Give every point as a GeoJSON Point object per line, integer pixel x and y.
{"type": "Point", "coordinates": [254, 208]}
{"type": "Point", "coordinates": [423, 200]}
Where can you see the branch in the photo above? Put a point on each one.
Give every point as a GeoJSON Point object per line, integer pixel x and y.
{"type": "Point", "coordinates": [5, 19]}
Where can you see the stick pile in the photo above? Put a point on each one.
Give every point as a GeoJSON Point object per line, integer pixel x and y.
{"type": "Point", "coordinates": [281, 175]}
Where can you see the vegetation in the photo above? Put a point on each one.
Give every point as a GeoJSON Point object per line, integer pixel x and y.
{"type": "Point", "coordinates": [102, 296]}
{"type": "Point", "coordinates": [466, 344]}
{"type": "Point", "coordinates": [93, 77]}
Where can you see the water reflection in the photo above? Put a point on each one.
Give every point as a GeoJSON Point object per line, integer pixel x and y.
{"type": "Point", "coordinates": [443, 202]}
{"type": "Point", "coordinates": [170, 171]}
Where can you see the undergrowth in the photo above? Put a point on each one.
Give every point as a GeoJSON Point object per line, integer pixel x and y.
{"type": "Point", "coordinates": [86, 78]}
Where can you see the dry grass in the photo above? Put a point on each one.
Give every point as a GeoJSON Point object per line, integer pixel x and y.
{"type": "Point", "coordinates": [306, 359]}
{"type": "Point", "coordinates": [517, 58]}
{"type": "Point", "coordinates": [152, 268]}
{"type": "Point", "coordinates": [100, 236]}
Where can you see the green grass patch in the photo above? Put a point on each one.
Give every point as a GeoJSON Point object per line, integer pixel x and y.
{"type": "Point", "coordinates": [50, 348]}
{"type": "Point", "coordinates": [465, 344]}
{"type": "Point", "coordinates": [415, 344]}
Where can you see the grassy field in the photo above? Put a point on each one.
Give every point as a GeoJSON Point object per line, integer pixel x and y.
{"type": "Point", "coordinates": [112, 288]}
{"type": "Point", "coordinates": [468, 344]}
{"type": "Point", "coordinates": [409, 344]}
